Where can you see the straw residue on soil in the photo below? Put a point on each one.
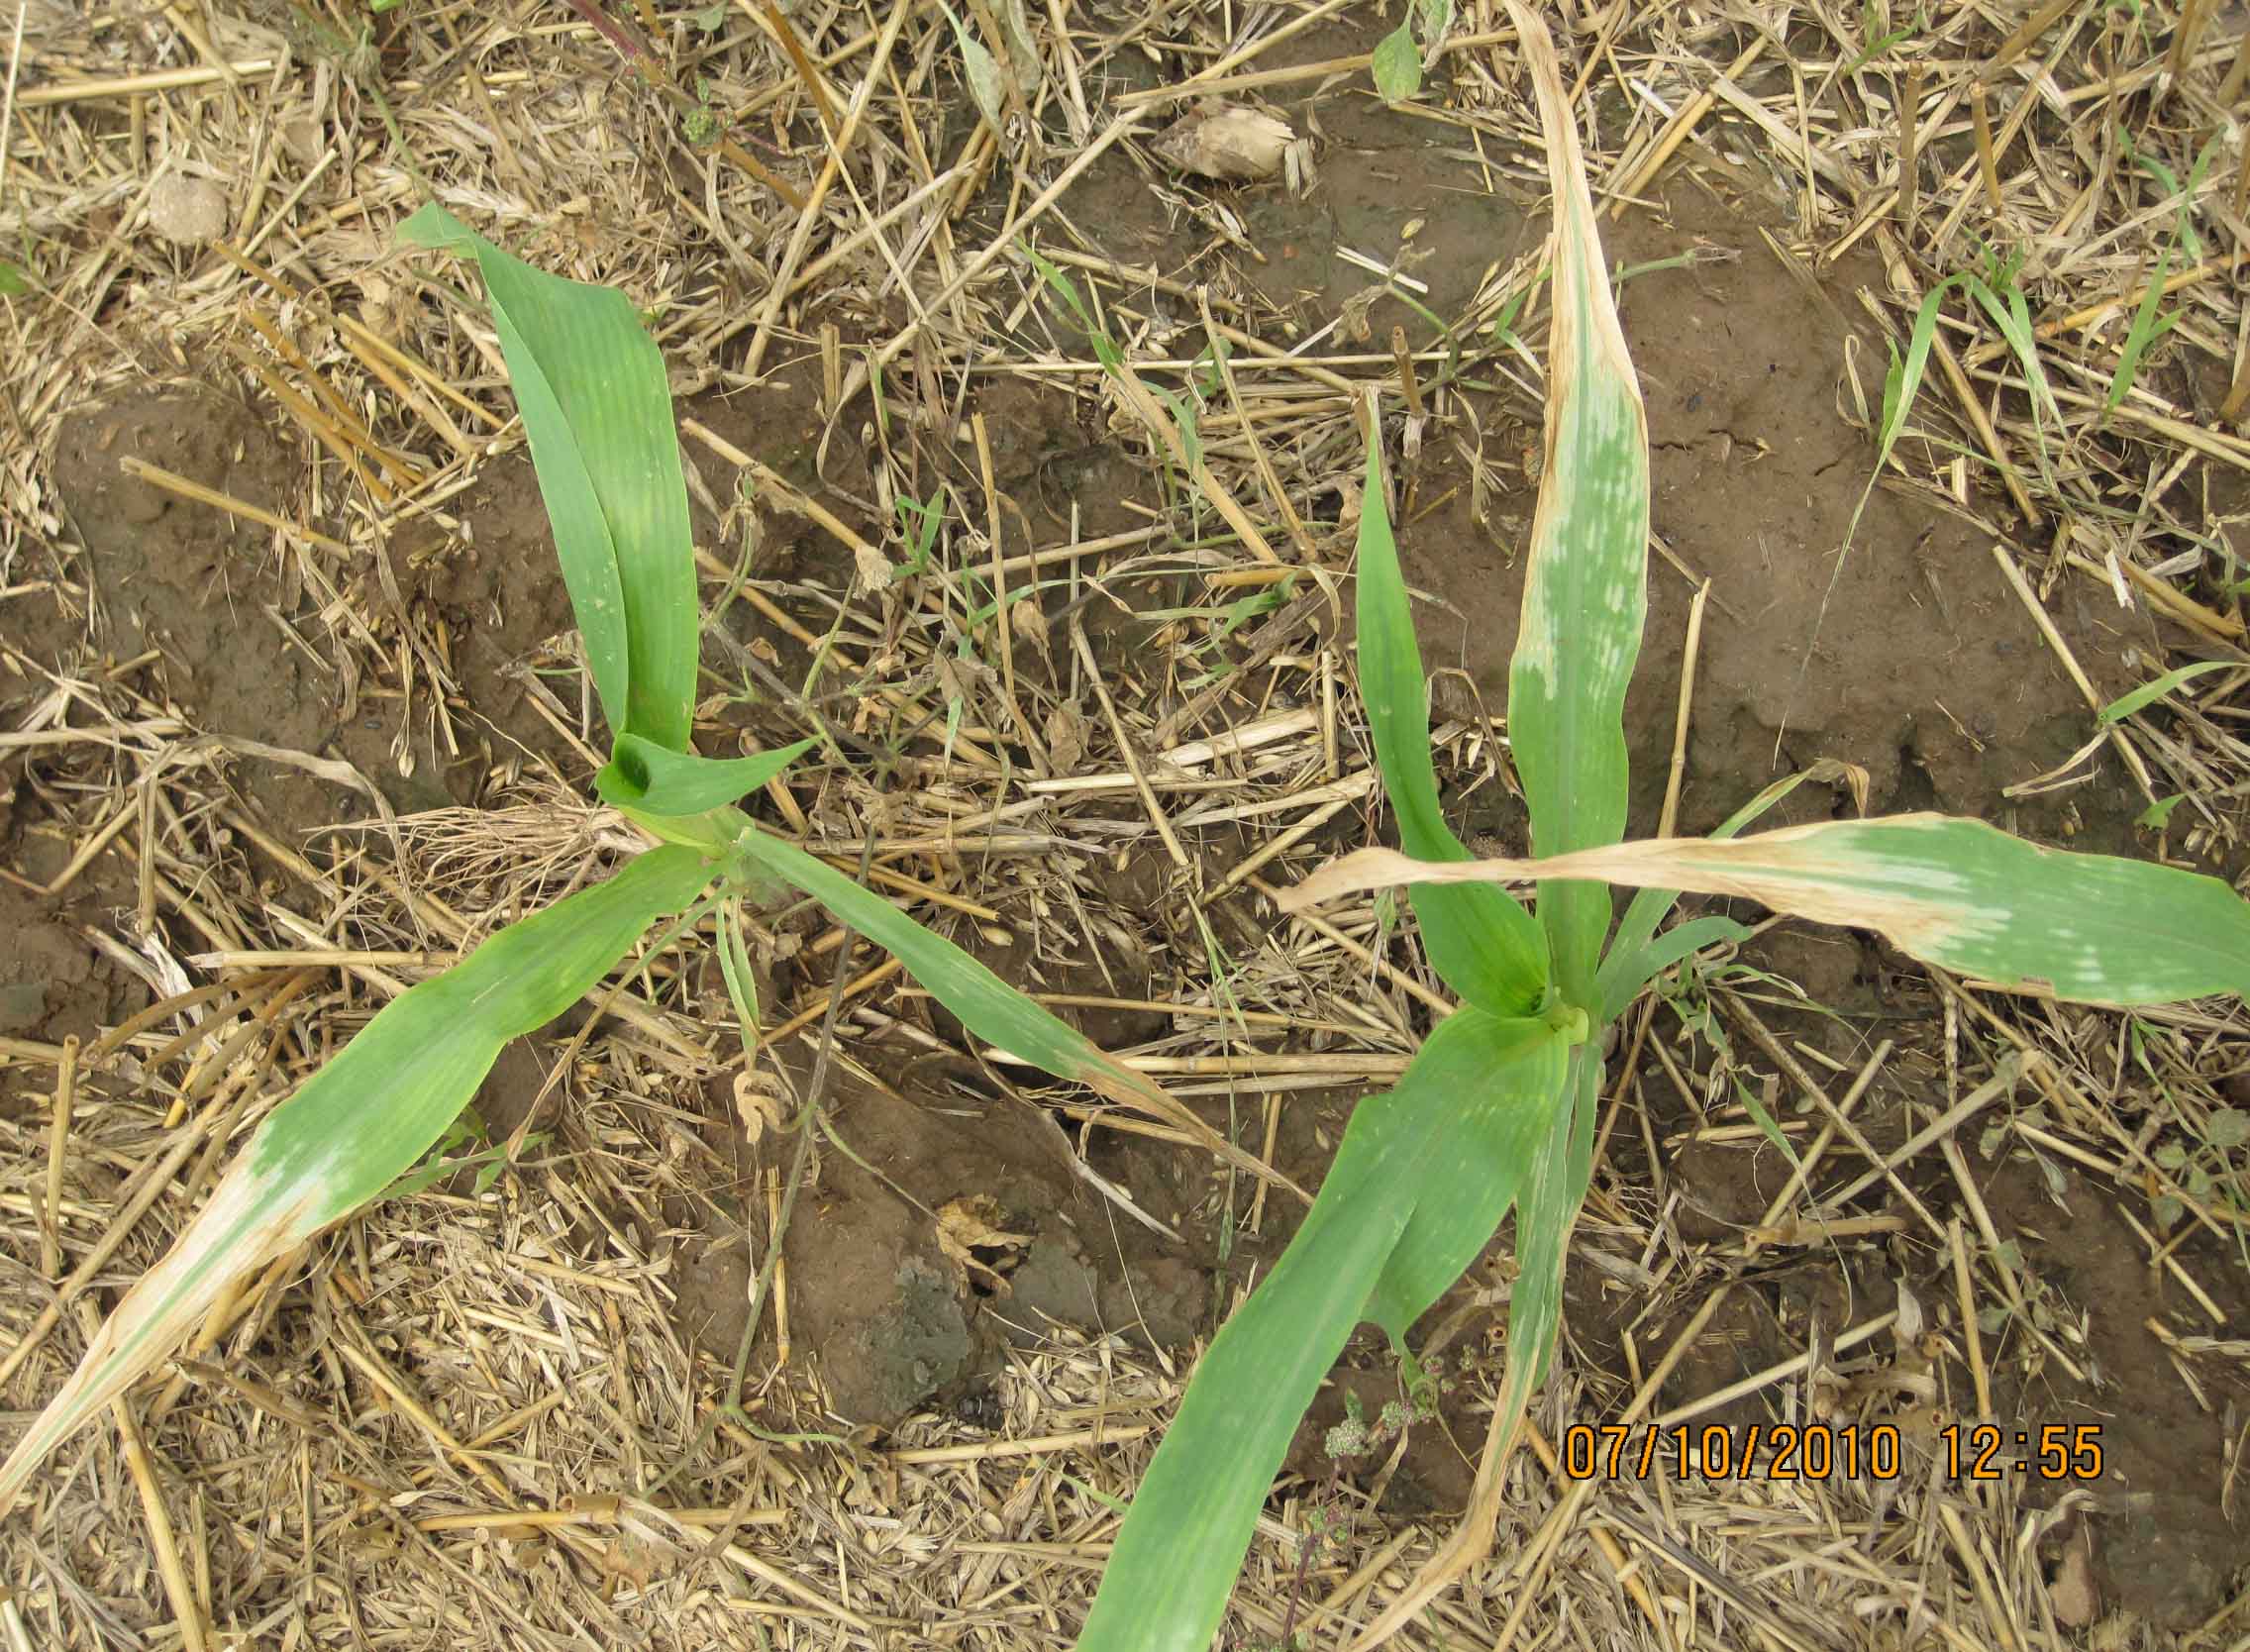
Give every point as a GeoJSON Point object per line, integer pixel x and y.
{"type": "Point", "coordinates": [268, 760]}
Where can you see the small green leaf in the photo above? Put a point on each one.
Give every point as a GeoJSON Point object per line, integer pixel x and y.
{"type": "Point", "coordinates": [983, 74]}
{"type": "Point", "coordinates": [11, 282]}
{"type": "Point", "coordinates": [641, 775]}
{"type": "Point", "coordinates": [2159, 813]}
{"type": "Point", "coordinates": [1766, 1124]}
{"type": "Point", "coordinates": [712, 19]}
{"type": "Point", "coordinates": [2228, 1127]}
{"type": "Point", "coordinates": [2124, 705]}
{"type": "Point", "coordinates": [1398, 66]}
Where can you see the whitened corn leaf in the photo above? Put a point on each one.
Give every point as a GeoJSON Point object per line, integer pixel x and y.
{"type": "Point", "coordinates": [1585, 597]}
{"type": "Point", "coordinates": [361, 1122]}
{"type": "Point", "coordinates": [596, 405]}
{"type": "Point", "coordinates": [1958, 893]}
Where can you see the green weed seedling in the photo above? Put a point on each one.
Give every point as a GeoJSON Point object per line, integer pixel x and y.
{"type": "Point", "coordinates": [1497, 1111]}
{"type": "Point", "coordinates": [596, 409]}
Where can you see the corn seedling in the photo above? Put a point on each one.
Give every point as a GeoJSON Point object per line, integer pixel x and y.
{"type": "Point", "coordinates": [590, 386]}
{"type": "Point", "coordinates": [1497, 1108]}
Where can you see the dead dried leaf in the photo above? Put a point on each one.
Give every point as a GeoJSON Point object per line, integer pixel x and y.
{"type": "Point", "coordinates": [1227, 140]}
{"type": "Point", "coordinates": [972, 1221]}
{"type": "Point", "coordinates": [874, 570]}
{"type": "Point", "coordinates": [1028, 621]}
{"type": "Point", "coordinates": [1066, 739]}
{"type": "Point", "coordinates": [758, 1104]}
{"type": "Point", "coordinates": [2076, 1599]}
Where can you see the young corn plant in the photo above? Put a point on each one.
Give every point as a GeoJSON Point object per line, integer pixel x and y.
{"type": "Point", "coordinates": [1497, 1108]}
{"type": "Point", "coordinates": [590, 387]}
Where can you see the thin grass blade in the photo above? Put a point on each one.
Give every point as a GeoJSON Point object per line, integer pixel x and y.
{"type": "Point", "coordinates": [2148, 693]}
{"type": "Point", "coordinates": [364, 1120]}
{"type": "Point", "coordinates": [1624, 975]}
{"type": "Point", "coordinates": [1586, 596]}
{"type": "Point", "coordinates": [1958, 893]}
{"type": "Point", "coordinates": [596, 406]}
{"type": "Point", "coordinates": [1181, 1549]}
{"type": "Point", "coordinates": [1489, 951]}
{"type": "Point", "coordinates": [987, 1006]}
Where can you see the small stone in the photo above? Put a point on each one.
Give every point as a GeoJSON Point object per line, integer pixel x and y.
{"type": "Point", "coordinates": [190, 211]}
{"type": "Point", "coordinates": [303, 137]}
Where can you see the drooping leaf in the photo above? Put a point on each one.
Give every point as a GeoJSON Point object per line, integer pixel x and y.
{"type": "Point", "coordinates": [596, 407]}
{"type": "Point", "coordinates": [1481, 1090]}
{"type": "Point", "coordinates": [1585, 595]}
{"type": "Point", "coordinates": [1958, 893]}
{"type": "Point", "coordinates": [1630, 963]}
{"type": "Point", "coordinates": [982, 72]}
{"type": "Point", "coordinates": [361, 1122]}
{"type": "Point", "coordinates": [1489, 951]}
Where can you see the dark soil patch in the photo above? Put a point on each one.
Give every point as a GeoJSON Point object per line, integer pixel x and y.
{"type": "Point", "coordinates": [940, 1222]}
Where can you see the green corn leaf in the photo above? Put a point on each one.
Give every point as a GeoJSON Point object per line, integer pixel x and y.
{"type": "Point", "coordinates": [1554, 1187]}
{"type": "Point", "coordinates": [363, 1120]}
{"type": "Point", "coordinates": [643, 776]}
{"type": "Point", "coordinates": [2148, 693]}
{"type": "Point", "coordinates": [986, 1005]}
{"type": "Point", "coordinates": [1585, 595]}
{"type": "Point", "coordinates": [596, 406]}
{"type": "Point", "coordinates": [1374, 1245]}
{"type": "Point", "coordinates": [1488, 950]}
{"type": "Point", "coordinates": [1623, 975]}
{"type": "Point", "coordinates": [1958, 893]}
{"type": "Point", "coordinates": [1501, 1084]}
